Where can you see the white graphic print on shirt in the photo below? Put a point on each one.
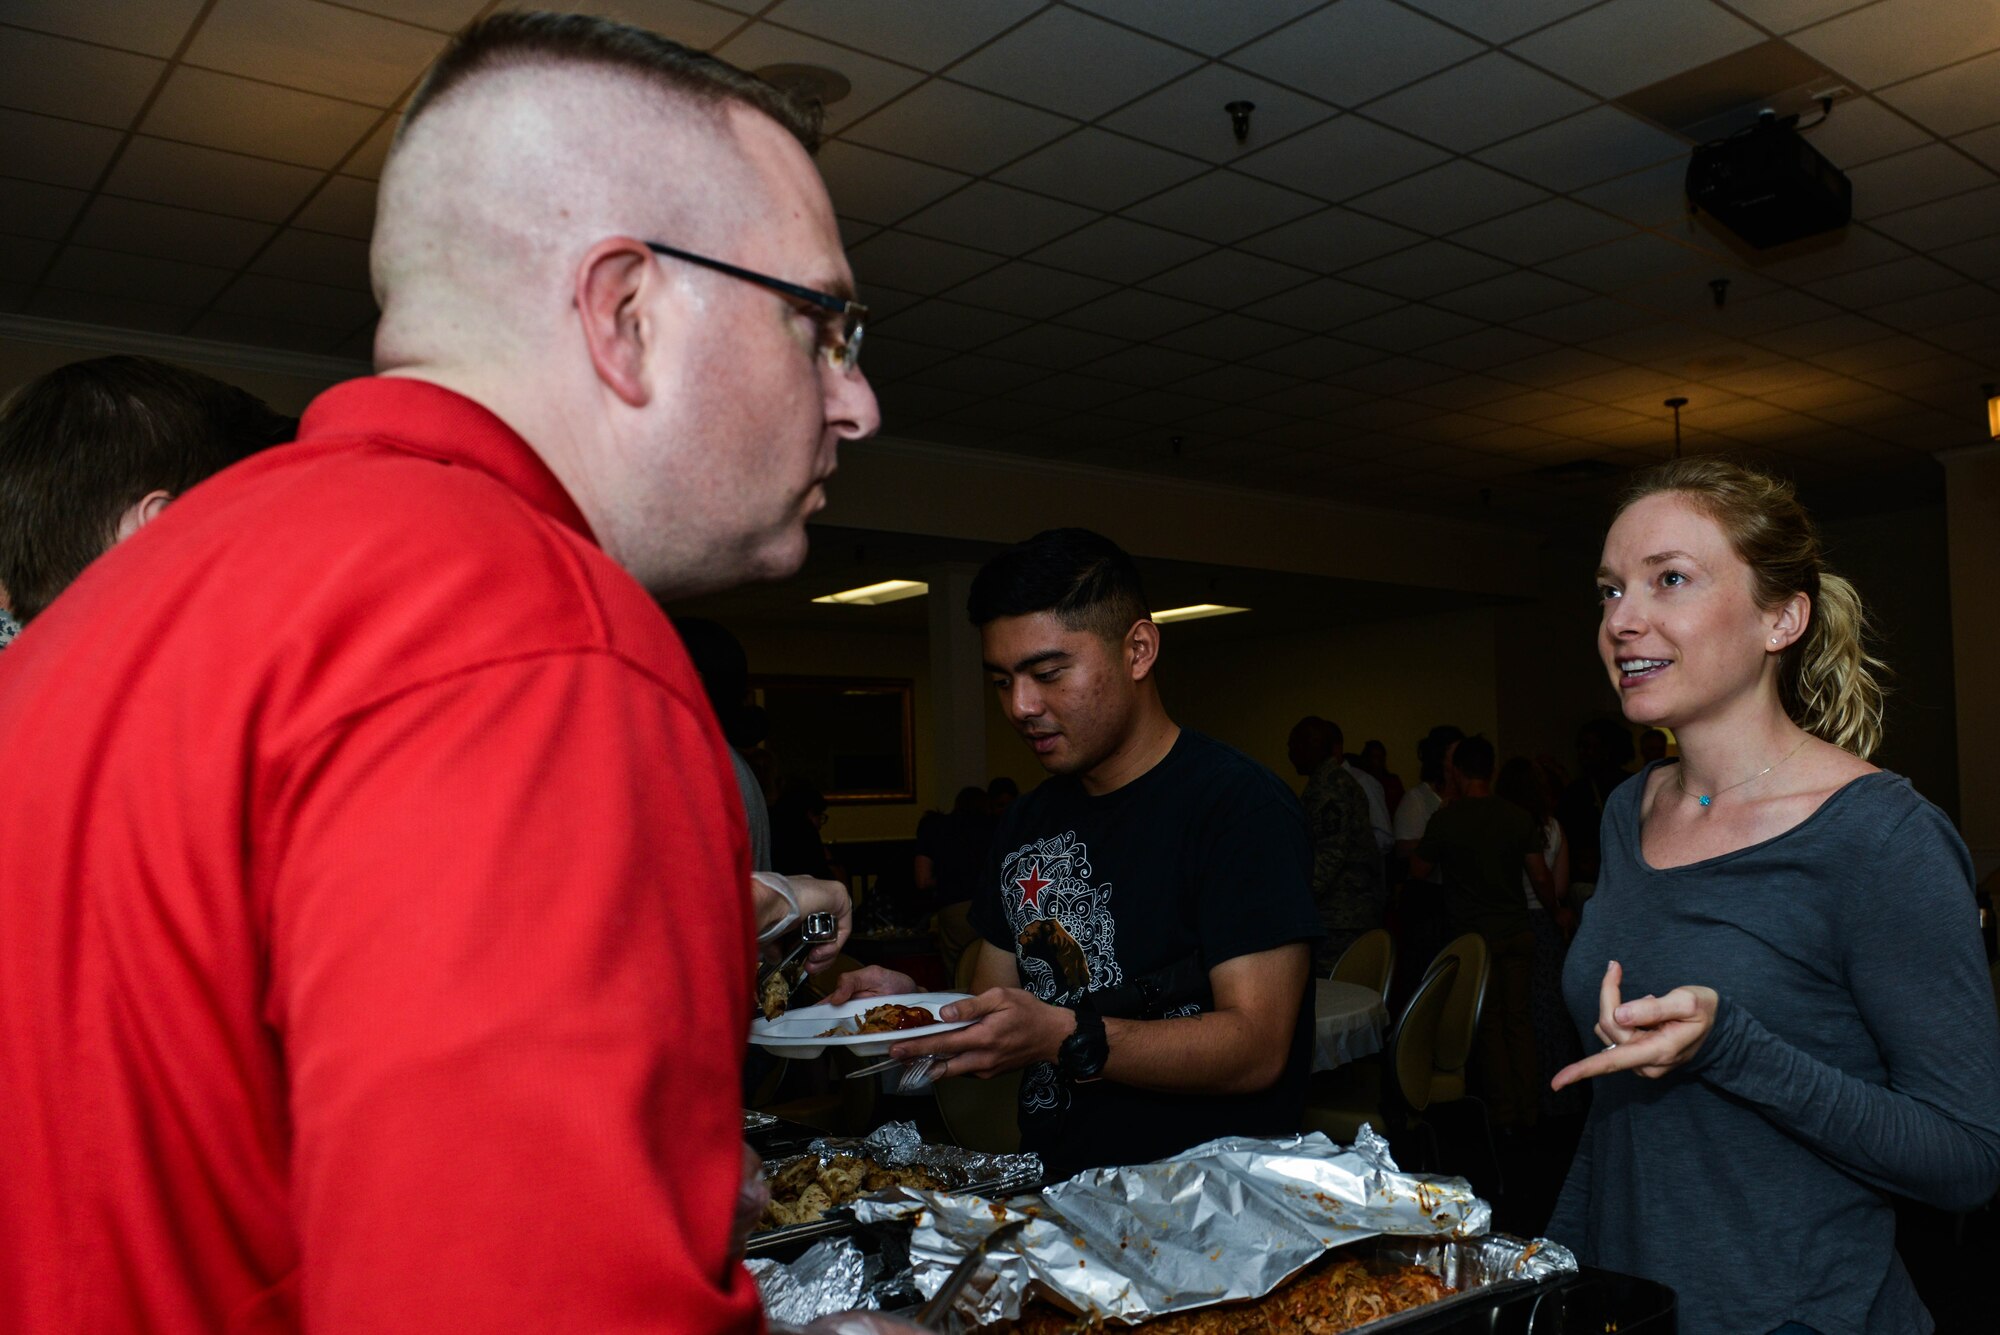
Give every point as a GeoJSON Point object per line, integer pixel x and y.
{"type": "Point", "coordinates": [1064, 936]}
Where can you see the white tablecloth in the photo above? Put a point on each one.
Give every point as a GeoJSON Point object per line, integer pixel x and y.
{"type": "Point", "coordinates": [1348, 1022]}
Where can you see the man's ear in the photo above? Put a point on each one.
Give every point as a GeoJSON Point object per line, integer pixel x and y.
{"type": "Point", "coordinates": [611, 281]}
{"type": "Point", "coordinates": [1142, 648]}
{"type": "Point", "coordinates": [140, 513]}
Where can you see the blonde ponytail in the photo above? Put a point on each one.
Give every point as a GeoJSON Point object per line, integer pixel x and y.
{"type": "Point", "coordinates": [1828, 681]}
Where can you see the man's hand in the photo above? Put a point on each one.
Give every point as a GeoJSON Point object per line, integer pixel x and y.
{"type": "Point", "coordinates": [1652, 1035]}
{"type": "Point", "coordinates": [1012, 1029]}
{"type": "Point", "coordinates": [817, 896]}
{"type": "Point", "coordinates": [752, 1195]}
{"type": "Point", "coordinates": [872, 981]}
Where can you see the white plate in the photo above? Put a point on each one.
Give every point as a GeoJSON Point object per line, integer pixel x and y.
{"type": "Point", "coordinates": [797, 1032]}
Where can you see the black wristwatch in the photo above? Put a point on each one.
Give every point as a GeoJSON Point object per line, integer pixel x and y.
{"type": "Point", "coordinates": [1082, 1055]}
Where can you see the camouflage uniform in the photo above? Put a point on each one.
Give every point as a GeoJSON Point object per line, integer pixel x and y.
{"type": "Point", "coordinates": [1347, 868]}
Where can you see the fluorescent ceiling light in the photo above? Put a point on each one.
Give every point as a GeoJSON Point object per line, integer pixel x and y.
{"type": "Point", "coordinates": [888, 591]}
{"type": "Point", "coordinates": [1195, 612]}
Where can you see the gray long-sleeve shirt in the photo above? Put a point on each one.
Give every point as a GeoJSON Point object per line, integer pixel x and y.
{"type": "Point", "coordinates": [1855, 1054]}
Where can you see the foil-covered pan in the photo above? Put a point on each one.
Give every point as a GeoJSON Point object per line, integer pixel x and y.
{"type": "Point", "coordinates": [898, 1145]}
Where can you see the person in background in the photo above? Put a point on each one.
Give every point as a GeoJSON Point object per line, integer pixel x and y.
{"type": "Point", "coordinates": [1347, 872]}
{"type": "Point", "coordinates": [1419, 914]}
{"type": "Point", "coordinates": [1001, 793]}
{"type": "Point", "coordinates": [1422, 802]}
{"type": "Point", "coordinates": [1147, 912]}
{"type": "Point", "coordinates": [92, 452]}
{"type": "Point", "coordinates": [1378, 802]}
{"type": "Point", "coordinates": [1781, 975]}
{"type": "Point", "coordinates": [951, 853]}
{"type": "Point", "coordinates": [1603, 752]}
{"type": "Point", "coordinates": [1521, 782]}
{"type": "Point", "coordinates": [375, 939]}
{"type": "Point", "coordinates": [798, 822]}
{"type": "Point", "coordinates": [1483, 845]}
{"type": "Point", "coordinates": [1652, 746]}
{"type": "Point", "coordinates": [725, 674]}
{"type": "Point", "coordinates": [1375, 760]}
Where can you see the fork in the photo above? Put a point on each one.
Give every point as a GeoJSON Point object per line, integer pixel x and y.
{"type": "Point", "coordinates": [912, 1079]}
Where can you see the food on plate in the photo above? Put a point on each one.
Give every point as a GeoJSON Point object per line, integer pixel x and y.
{"type": "Point", "coordinates": [884, 1019]}
{"type": "Point", "coordinates": [807, 1188]}
{"type": "Point", "coordinates": [775, 995]}
{"type": "Point", "coordinates": [1343, 1296]}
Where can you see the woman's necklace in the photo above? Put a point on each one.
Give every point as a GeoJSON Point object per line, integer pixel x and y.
{"type": "Point", "coordinates": [1707, 799]}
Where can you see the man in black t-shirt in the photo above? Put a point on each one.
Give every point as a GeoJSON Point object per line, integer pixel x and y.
{"type": "Point", "coordinates": [1146, 914]}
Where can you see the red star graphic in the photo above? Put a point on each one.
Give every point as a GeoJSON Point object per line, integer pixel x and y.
{"type": "Point", "coordinates": [1032, 886]}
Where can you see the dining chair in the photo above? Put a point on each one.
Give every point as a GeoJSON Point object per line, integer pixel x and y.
{"type": "Point", "coordinates": [1392, 1093]}
{"type": "Point", "coordinates": [1458, 1034]}
{"type": "Point", "coordinates": [1369, 962]}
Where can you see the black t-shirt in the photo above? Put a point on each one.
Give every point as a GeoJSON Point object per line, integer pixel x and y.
{"type": "Point", "coordinates": [1204, 855]}
{"type": "Point", "coordinates": [1482, 844]}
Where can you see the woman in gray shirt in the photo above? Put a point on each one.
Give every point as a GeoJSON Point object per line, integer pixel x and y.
{"type": "Point", "coordinates": [1810, 1029]}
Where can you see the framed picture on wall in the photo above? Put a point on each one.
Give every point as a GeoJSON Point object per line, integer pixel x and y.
{"type": "Point", "coordinates": [850, 737]}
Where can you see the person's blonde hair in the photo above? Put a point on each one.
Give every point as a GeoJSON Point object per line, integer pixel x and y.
{"type": "Point", "coordinates": [1828, 681]}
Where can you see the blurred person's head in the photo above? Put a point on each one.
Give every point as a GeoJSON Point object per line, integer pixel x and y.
{"type": "Point", "coordinates": [692, 413]}
{"type": "Point", "coordinates": [1716, 591]}
{"type": "Point", "coordinates": [800, 801]}
{"type": "Point", "coordinates": [724, 668]}
{"type": "Point", "coordinates": [1603, 746]}
{"type": "Point", "coordinates": [1069, 644]}
{"type": "Point", "coordinates": [1652, 745]}
{"type": "Point", "coordinates": [1521, 782]}
{"type": "Point", "coordinates": [1431, 753]}
{"type": "Point", "coordinates": [1312, 742]}
{"type": "Point", "coordinates": [1470, 761]}
{"type": "Point", "coordinates": [92, 452]}
{"type": "Point", "coordinates": [1375, 757]}
{"type": "Point", "coordinates": [1000, 794]}
{"type": "Point", "coordinates": [971, 801]}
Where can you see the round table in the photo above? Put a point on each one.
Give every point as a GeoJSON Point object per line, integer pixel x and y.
{"type": "Point", "coordinates": [1348, 1022]}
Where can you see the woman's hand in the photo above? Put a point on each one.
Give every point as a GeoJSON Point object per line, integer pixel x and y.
{"type": "Point", "coordinates": [871, 981]}
{"type": "Point", "coordinates": [1652, 1035]}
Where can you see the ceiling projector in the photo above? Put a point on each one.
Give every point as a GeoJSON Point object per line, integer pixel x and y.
{"type": "Point", "coordinates": [1768, 185]}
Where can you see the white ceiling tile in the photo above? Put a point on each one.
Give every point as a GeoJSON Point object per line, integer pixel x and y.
{"type": "Point", "coordinates": [1224, 206]}
{"type": "Point", "coordinates": [1324, 303]}
{"type": "Point", "coordinates": [873, 81]}
{"type": "Point", "coordinates": [1416, 273]}
{"type": "Point", "coordinates": [1069, 392]}
{"type": "Point", "coordinates": [958, 127]}
{"type": "Point", "coordinates": [1920, 313]}
{"type": "Point", "coordinates": [946, 324]}
{"type": "Point", "coordinates": [1484, 349]}
{"type": "Point", "coordinates": [1885, 282]}
{"type": "Point", "coordinates": [169, 282]}
{"type": "Point", "coordinates": [1500, 20]}
{"type": "Point", "coordinates": [1947, 222]}
{"type": "Point", "coordinates": [1227, 279]}
{"type": "Point", "coordinates": [154, 27]}
{"type": "Point", "coordinates": [997, 218]}
{"type": "Point", "coordinates": [277, 298]}
{"type": "Point", "coordinates": [853, 233]}
{"type": "Point", "coordinates": [107, 309]}
{"type": "Point", "coordinates": [916, 32]}
{"type": "Point", "coordinates": [1056, 347]}
{"type": "Point", "coordinates": [444, 15]}
{"type": "Point", "coordinates": [1980, 259]}
{"type": "Point", "coordinates": [1188, 114]}
{"type": "Point", "coordinates": [1585, 320]}
{"type": "Point", "coordinates": [29, 208]}
{"type": "Point", "coordinates": [1332, 239]}
{"type": "Point", "coordinates": [1343, 157]}
{"type": "Point", "coordinates": [1479, 102]}
{"type": "Point", "coordinates": [1120, 250]}
{"type": "Point", "coordinates": [21, 263]}
{"type": "Point", "coordinates": [1236, 384]}
{"type": "Point", "coordinates": [916, 263]}
{"type": "Point", "coordinates": [223, 111]}
{"type": "Point", "coordinates": [1859, 130]}
{"type": "Point", "coordinates": [880, 187]}
{"type": "Point", "coordinates": [1982, 144]}
{"type": "Point", "coordinates": [1881, 44]}
{"type": "Point", "coordinates": [260, 332]}
{"type": "Point", "coordinates": [344, 206]}
{"type": "Point", "coordinates": [1586, 149]}
{"type": "Point", "coordinates": [1033, 290]}
{"type": "Point", "coordinates": [1447, 198]}
{"type": "Point", "coordinates": [1105, 171]}
{"type": "Point", "coordinates": [1073, 63]}
{"type": "Point", "coordinates": [1823, 329]}
{"type": "Point", "coordinates": [1627, 44]}
{"type": "Point", "coordinates": [1783, 16]}
{"type": "Point", "coordinates": [1410, 329]}
{"type": "Point", "coordinates": [1231, 337]}
{"type": "Point", "coordinates": [1689, 296]}
{"type": "Point", "coordinates": [1952, 101]}
{"type": "Point", "coordinates": [367, 160]}
{"type": "Point", "coordinates": [316, 47]}
{"type": "Point", "coordinates": [1542, 232]}
{"type": "Point", "coordinates": [1151, 366]}
{"type": "Point", "coordinates": [1133, 314]}
{"type": "Point", "coordinates": [1650, 198]}
{"type": "Point", "coordinates": [1855, 247]}
{"type": "Point", "coordinates": [688, 22]}
{"type": "Point", "coordinates": [1916, 177]}
{"type": "Point", "coordinates": [207, 178]}
{"type": "Point", "coordinates": [1209, 28]}
{"type": "Point", "coordinates": [57, 152]}
{"type": "Point", "coordinates": [1509, 296]}
{"type": "Point", "coordinates": [890, 359]}
{"type": "Point", "coordinates": [1354, 51]}
{"type": "Point", "coordinates": [170, 233]}
{"type": "Point", "coordinates": [83, 83]}
{"type": "Point", "coordinates": [316, 257]}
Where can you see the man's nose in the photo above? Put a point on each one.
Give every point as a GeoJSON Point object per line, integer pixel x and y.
{"type": "Point", "coordinates": [851, 409]}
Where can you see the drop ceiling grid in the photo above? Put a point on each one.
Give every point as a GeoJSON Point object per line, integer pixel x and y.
{"type": "Point", "coordinates": [1254, 371]}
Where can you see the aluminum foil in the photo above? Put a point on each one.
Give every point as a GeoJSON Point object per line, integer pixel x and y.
{"type": "Point", "coordinates": [898, 1145]}
{"type": "Point", "coordinates": [832, 1276]}
{"type": "Point", "coordinates": [1479, 1263]}
{"type": "Point", "coordinates": [1228, 1220]}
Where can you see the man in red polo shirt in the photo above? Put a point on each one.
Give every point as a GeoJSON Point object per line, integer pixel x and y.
{"type": "Point", "coordinates": [362, 968]}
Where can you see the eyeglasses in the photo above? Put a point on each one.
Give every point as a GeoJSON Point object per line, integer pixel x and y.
{"type": "Point", "coordinates": [840, 343]}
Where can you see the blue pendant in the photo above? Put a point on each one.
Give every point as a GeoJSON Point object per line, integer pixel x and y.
{"type": "Point", "coordinates": [1705, 799]}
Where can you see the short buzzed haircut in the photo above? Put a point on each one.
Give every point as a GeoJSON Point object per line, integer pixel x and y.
{"type": "Point", "coordinates": [1474, 757]}
{"type": "Point", "coordinates": [1082, 578]}
{"type": "Point", "coordinates": [82, 444]}
{"type": "Point", "coordinates": [531, 37]}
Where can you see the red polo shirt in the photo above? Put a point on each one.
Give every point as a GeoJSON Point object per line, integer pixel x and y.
{"type": "Point", "coordinates": [374, 949]}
